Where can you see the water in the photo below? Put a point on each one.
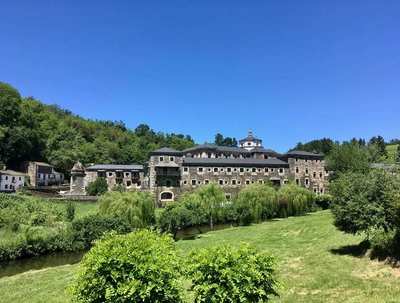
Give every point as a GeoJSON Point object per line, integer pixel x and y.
{"type": "Point", "coordinates": [15, 267]}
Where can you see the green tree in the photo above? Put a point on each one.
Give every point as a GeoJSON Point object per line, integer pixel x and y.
{"type": "Point", "coordinates": [347, 157]}
{"type": "Point", "coordinates": [174, 218]}
{"type": "Point", "coordinates": [228, 274]}
{"type": "Point", "coordinates": [97, 188]}
{"type": "Point", "coordinates": [298, 200]}
{"type": "Point", "coordinates": [221, 141]}
{"type": "Point", "coordinates": [262, 199]}
{"type": "Point", "coordinates": [137, 207]}
{"type": "Point", "coordinates": [137, 267]}
{"type": "Point", "coordinates": [362, 203]}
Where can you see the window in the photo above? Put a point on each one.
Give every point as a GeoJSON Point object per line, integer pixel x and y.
{"type": "Point", "coordinates": [168, 183]}
{"type": "Point", "coordinates": [272, 170]}
{"type": "Point", "coordinates": [227, 197]}
{"type": "Point", "coordinates": [101, 174]}
{"type": "Point", "coordinates": [194, 182]}
{"type": "Point", "coordinates": [221, 182]}
{"type": "Point", "coordinates": [306, 170]}
{"type": "Point", "coordinates": [119, 174]}
{"type": "Point", "coordinates": [6, 186]}
{"type": "Point", "coordinates": [253, 170]}
{"type": "Point", "coordinates": [314, 174]}
{"type": "Point", "coordinates": [247, 169]}
{"type": "Point", "coordinates": [127, 175]}
{"type": "Point", "coordinates": [306, 181]}
{"type": "Point", "coordinates": [233, 182]}
{"type": "Point", "coordinates": [7, 177]}
{"type": "Point", "coordinates": [297, 181]}
{"type": "Point", "coordinates": [215, 169]}
{"type": "Point", "coordinates": [206, 181]}
{"type": "Point", "coordinates": [20, 178]}
{"type": "Point", "coordinates": [247, 182]}
{"type": "Point", "coordinates": [320, 175]}
{"type": "Point", "coordinates": [171, 158]}
{"type": "Point", "coordinates": [241, 169]}
{"type": "Point", "coordinates": [281, 170]}
{"type": "Point", "coordinates": [185, 182]}
{"type": "Point", "coordinates": [259, 170]}
{"type": "Point", "coordinates": [260, 181]}
{"type": "Point", "coordinates": [166, 196]}
{"type": "Point", "coordinates": [185, 169]}
{"type": "Point", "coordinates": [110, 174]}
{"type": "Point", "coordinates": [128, 183]}
{"type": "Point", "coordinates": [200, 169]}
{"type": "Point", "coordinates": [229, 169]}
{"type": "Point", "coordinates": [297, 169]}
{"type": "Point", "coordinates": [266, 169]}
{"type": "Point", "coordinates": [249, 143]}
{"type": "Point", "coordinates": [234, 169]}
{"type": "Point", "coordinates": [315, 190]}
{"type": "Point", "coordinates": [161, 159]}
{"type": "Point", "coordinates": [222, 169]}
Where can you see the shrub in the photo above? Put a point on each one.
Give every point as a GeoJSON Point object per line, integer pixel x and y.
{"type": "Point", "coordinates": [299, 200]}
{"type": "Point", "coordinates": [97, 188]}
{"type": "Point", "coordinates": [227, 274]}
{"type": "Point", "coordinates": [137, 207]}
{"type": "Point", "coordinates": [323, 201]}
{"type": "Point", "coordinates": [175, 217]}
{"type": "Point", "coordinates": [70, 211]}
{"type": "Point", "coordinates": [262, 200]}
{"type": "Point", "coordinates": [84, 231]}
{"type": "Point", "coordinates": [138, 267]}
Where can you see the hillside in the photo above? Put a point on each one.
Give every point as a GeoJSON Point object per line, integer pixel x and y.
{"type": "Point", "coordinates": [32, 130]}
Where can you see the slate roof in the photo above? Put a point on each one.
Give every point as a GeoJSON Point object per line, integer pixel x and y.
{"type": "Point", "coordinates": [263, 150]}
{"type": "Point", "coordinates": [216, 148]}
{"type": "Point", "coordinates": [302, 153]}
{"type": "Point", "coordinates": [234, 162]}
{"type": "Point", "coordinates": [252, 139]}
{"type": "Point", "coordinates": [11, 173]}
{"type": "Point", "coordinates": [115, 167]}
{"type": "Point", "coordinates": [170, 164]}
{"type": "Point", "coordinates": [166, 151]}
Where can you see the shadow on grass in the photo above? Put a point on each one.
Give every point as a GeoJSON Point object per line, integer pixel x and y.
{"type": "Point", "coordinates": [359, 250]}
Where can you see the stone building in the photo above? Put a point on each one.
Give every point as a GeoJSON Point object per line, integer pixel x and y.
{"type": "Point", "coordinates": [169, 172]}
{"type": "Point", "coordinates": [41, 174]}
{"type": "Point", "coordinates": [130, 176]}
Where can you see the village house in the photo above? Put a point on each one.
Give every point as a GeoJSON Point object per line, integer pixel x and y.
{"type": "Point", "coordinates": [10, 180]}
{"type": "Point", "coordinates": [169, 172]}
{"type": "Point", "coordinates": [41, 174]}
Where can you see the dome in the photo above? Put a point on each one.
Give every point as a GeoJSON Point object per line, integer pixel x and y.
{"type": "Point", "coordinates": [78, 168]}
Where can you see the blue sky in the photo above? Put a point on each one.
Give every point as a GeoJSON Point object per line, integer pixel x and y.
{"type": "Point", "coordinates": [290, 70]}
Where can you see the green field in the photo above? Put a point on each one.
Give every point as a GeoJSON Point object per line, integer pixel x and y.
{"type": "Point", "coordinates": [392, 151]}
{"type": "Point", "coordinates": [316, 263]}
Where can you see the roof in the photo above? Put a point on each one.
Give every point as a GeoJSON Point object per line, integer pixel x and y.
{"type": "Point", "coordinates": [252, 139]}
{"type": "Point", "coordinates": [170, 164]}
{"type": "Point", "coordinates": [166, 151]}
{"type": "Point", "coordinates": [11, 173]}
{"type": "Point", "coordinates": [259, 149]}
{"type": "Point", "coordinates": [234, 162]}
{"type": "Point", "coordinates": [302, 153]}
{"type": "Point", "coordinates": [42, 164]}
{"type": "Point", "coordinates": [115, 167]}
{"type": "Point", "coordinates": [218, 148]}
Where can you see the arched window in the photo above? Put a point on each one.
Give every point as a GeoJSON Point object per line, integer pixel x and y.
{"type": "Point", "coordinates": [166, 196]}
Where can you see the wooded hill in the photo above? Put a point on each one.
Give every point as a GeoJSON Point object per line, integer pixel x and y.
{"type": "Point", "coordinates": [32, 130]}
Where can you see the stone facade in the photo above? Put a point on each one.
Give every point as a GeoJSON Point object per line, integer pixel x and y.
{"type": "Point", "coordinates": [41, 174]}
{"type": "Point", "coordinates": [130, 176]}
{"type": "Point", "coordinates": [169, 173]}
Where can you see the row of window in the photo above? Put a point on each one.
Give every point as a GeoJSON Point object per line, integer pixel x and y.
{"type": "Point", "coordinates": [307, 171]}
{"type": "Point", "coordinates": [241, 169]}
{"type": "Point", "coordinates": [312, 161]}
{"type": "Point", "coordinates": [118, 174]}
{"type": "Point", "coordinates": [13, 178]}
{"type": "Point", "coordinates": [171, 159]}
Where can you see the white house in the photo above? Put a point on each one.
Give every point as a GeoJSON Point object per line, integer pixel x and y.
{"type": "Point", "coordinates": [10, 180]}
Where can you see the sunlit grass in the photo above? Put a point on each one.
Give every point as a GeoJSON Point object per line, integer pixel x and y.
{"type": "Point", "coordinates": [315, 262]}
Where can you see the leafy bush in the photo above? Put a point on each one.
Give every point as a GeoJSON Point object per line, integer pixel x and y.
{"type": "Point", "coordinates": [84, 231]}
{"type": "Point", "coordinates": [299, 200]}
{"type": "Point", "coordinates": [261, 198]}
{"type": "Point", "coordinates": [70, 211]}
{"type": "Point", "coordinates": [175, 217]}
{"type": "Point", "coordinates": [227, 274]}
{"type": "Point", "coordinates": [137, 207]}
{"type": "Point", "coordinates": [97, 188]}
{"type": "Point", "coordinates": [323, 201]}
{"type": "Point", "coordinates": [138, 267]}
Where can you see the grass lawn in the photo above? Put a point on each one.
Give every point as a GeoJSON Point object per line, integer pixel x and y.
{"type": "Point", "coordinates": [392, 150]}
{"type": "Point", "coordinates": [315, 262]}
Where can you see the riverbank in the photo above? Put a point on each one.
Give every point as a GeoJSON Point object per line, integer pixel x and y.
{"type": "Point", "coordinates": [316, 263]}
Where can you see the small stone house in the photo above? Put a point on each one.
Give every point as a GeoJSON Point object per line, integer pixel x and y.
{"type": "Point", "coordinates": [11, 180]}
{"type": "Point", "coordinates": [41, 174]}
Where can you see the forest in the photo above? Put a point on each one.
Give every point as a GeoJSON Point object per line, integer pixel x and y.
{"type": "Point", "coordinates": [32, 130]}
